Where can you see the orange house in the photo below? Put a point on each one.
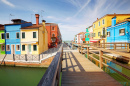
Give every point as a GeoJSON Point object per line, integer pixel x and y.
{"type": "Point", "coordinates": [54, 35]}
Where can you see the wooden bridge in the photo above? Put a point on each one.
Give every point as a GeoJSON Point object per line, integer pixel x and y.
{"type": "Point", "coordinates": [77, 70]}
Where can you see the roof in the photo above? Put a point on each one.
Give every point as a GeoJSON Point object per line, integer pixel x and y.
{"type": "Point", "coordinates": [111, 15]}
{"type": "Point", "coordinates": [33, 26]}
{"type": "Point", "coordinates": [127, 19]}
{"type": "Point", "coordinates": [81, 33]}
{"type": "Point", "coordinates": [51, 24]}
{"type": "Point", "coordinates": [89, 26]}
{"type": "Point", "coordinates": [17, 23]}
{"type": "Point", "coordinates": [2, 27]}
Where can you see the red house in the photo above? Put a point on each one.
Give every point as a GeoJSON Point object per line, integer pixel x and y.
{"type": "Point", "coordinates": [54, 35]}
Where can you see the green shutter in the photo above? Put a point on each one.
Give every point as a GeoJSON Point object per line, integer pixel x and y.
{"type": "Point", "coordinates": [34, 34]}
{"type": "Point", "coordinates": [23, 35]}
{"type": "Point", "coordinates": [35, 47]}
{"type": "Point", "coordinates": [23, 47]}
{"type": "Point", "coordinates": [7, 35]}
{"type": "Point", "coordinates": [3, 37]}
{"type": "Point", "coordinates": [17, 35]}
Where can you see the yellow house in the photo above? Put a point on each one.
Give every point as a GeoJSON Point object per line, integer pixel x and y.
{"type": "Point", "coordinates": [34, 38]}
{"type": "Point", "coordinates": [100, 25]}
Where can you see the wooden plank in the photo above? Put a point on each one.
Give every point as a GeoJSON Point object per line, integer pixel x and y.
{"type": "Point", "coordinates": [79, 71]}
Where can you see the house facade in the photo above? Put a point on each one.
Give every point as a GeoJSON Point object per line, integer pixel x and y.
{"type": "Point", "coordinates": [81, 37]}
{"type": "Point", "coordinates": [54, 35]}
{"type": "Point", "coordinates": [100, 26]}
{"type": "Point", "coordinates": [120, 31]}
{"type": "Point", "coordinates": [87, 35]}
{"type": "Point", "coordinates": [34, 38]}
{"type": "Point", "coordinates": [2, 39]}
{"type": "Point", "coordinates": [12, 36]}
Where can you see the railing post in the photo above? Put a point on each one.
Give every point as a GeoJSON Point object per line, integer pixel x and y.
{"type": "Point", "coordinates": [128, 47]}
{"type": "Point", "coordinates": [25, 57]}
{"type": "Point", "coordinates": [81, 49]}
{"type": "Point", "coordinates": [101, 59]}
{"type": "Point", "coordinates": [88, 52]}
{"type": "Point", "coordinates": [114, 46]}
{"type": "Point", "coordinates": [13, 57]}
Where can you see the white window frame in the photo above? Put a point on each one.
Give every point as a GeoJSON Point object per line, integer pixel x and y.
{"type": "Point", "coordinates": [16, 35]}
{"type": "Point", "coordinates": [6, 47]}
{"type": "Point", "coordinates": [109, 34]}
{"type": "Point", "coordinates": [104, 21]}
{"type": "Point", "coordinates": [122, 34]}
{"type": "Point", "coordinates": [22, 36]}
{"type": "Point", "coordinates": [16, 47]}
{"type": "Point", "coordinates": [32, 34]}
{"type": "Point", "coordinates": [1, 47]}
{"type": "Point", "coordinates": [33, 47]}
{"type": "Point", "coordinates": [1, 35]}
{"type": "Point", "coordinates": [6, 36]}
{"type": "Point", "coordinates": [52, 29]}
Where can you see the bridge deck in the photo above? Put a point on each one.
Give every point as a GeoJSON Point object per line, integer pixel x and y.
{"type": "Point", "coordinates": [79, 71]}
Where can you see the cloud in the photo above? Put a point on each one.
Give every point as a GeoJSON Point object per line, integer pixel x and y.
{"type": "Point", "coordinates": [8, 3]}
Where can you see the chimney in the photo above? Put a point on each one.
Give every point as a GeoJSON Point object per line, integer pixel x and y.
{"type": "Point", "coordinates": [97, 18]}
{"type": "Point", "coordinates": [43, 22]}
{"type": "Point", "coordinates": [37, 19]}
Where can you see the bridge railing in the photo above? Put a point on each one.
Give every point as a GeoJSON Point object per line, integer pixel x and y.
{"type": "Point", "coordinates": [52, 74]}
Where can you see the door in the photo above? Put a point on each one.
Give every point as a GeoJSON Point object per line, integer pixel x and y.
{"type": "Point", "coordinates": [29, 49]}
{"type": "Point", "coordinates": [13, 49]}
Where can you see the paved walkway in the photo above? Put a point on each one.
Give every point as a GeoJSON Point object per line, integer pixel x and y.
{"type": "Point", "coordinates": [79, 71]}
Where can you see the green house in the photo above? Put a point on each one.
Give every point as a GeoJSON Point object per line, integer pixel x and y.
{"type": "Point", "coordinates": [87, 36]}
{"type": "Point", "coordinates": [2, 40]}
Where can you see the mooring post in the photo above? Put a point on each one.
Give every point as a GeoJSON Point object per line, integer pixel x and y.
{"type": "Point", "coordinates": [128, 47]}
{"type": "Point", "coordinates": [88, 52]}
{"type": "Point", "coordinates": [25, 57]}
{"type": "Point", "coordinates": [101, 59]}
{"type": "Point", "coordinates": [13, 57]}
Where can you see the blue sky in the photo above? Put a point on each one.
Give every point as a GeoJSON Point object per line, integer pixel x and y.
{"type": "Point", "coordinates": [72, 16]}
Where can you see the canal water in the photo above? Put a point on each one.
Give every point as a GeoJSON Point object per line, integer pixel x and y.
{"type": "Point", "coordinates": [116, 76]}
{"type": "Point", "coordinates": [20, 76]}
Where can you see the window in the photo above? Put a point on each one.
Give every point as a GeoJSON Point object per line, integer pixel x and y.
{"type": "Point", "coordinates": [2, 36]}
{"type": "Point", "coordinates": [108, 34]}
{"type": "Point", "coordinates": [34, 47]}
{"type": "Point", "coordinates": [99, 33]}
{"type": "Point", "coordinates": [53, 35]}
{"type": "Point", "coordinates": [18, 47]}
{"type": "Point", "coordinates": [23, 34]}
{"type": "Point", "coordinates": [7, 35]}
{"type": "Point", "coordinates": [122, 32]}
{"type": "Point", "coordinates": [53, 28]}
{"type": "Point", "coordinates": [34, 34]}
{"type": "Point", "coordinates": [3, 47]}
{"type": "Point", "coordinates": [103, 21]}
{"type": "Point", "coordinates": [94, 25]}
{"type": "Point", "coordinates": [7, 48]}
{"type": "Point", "coordinates": [17, 35]}
{"type": "Point", "coordinates": [99, 23]}
{"type": "Point", "coordinates": [23, 47]}
{"type": "Point", "coordinates": [94, 34]}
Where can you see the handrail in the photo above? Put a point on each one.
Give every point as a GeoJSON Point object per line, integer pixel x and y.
{"type": "Point", "coordinates": [3, 59]}
{"type": "Point", "coordinates": [52, 74]}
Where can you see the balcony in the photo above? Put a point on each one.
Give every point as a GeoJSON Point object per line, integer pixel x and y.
{"type": "Point", "coordinates": [53, 39]}
{"type": "Point", "coordinates": [102, 36]}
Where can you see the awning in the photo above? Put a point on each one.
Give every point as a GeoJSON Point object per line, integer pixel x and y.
{"type": "Point", "coordinates": [29, 42]}
{"type": "Point", "coordinates": [2, 43]}
{"type": "Point", "coordinates": [94, 40]}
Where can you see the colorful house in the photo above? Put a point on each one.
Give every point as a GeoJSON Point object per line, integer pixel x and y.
{"type": "Point", "coordinates": [34, 38]}
{"type": "Point", "coordinates": [2, 39]}
{"type": "Point", "coordinates": [81, 37]}
{"type": "Point", "coordinates": [12, 32]}
{"type": "Point", "coordinates": [100, 26]}
{"type": "Point", "coordinates": [120, 31]}
{"type": "Point", "coordinates": [87, 35]}
{"type": "Point", "coordinates": [54, 35]}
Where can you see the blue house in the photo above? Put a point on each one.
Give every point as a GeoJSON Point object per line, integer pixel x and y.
{"type": "Point", "coordinates": [12, 35]}
{"type": "Point", "coordinates": [119, 32]}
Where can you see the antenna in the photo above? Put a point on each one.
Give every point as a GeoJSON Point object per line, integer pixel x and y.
{"type": "Point", "coordinates": [10, 17]}
{"type": "Point", "coordinates": [31, 17]}
{"type": "Point", "coordinates": [41, 14]}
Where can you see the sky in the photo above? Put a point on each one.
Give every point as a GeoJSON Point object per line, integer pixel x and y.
{"type": "Point", "coordinates": [72, 16]}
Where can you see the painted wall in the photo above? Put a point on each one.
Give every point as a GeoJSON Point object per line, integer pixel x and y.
{"type": "Point", "coordinates": [2, 41]}
{"type": "Point", "coordinates": [114, 33]}
{"type": "Point", "coordinates": [108, 22]}
{"type": "Point", "coordinates": [87, 35]}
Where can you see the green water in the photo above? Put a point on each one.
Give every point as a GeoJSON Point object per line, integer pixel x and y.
{"type": "Point", "coordinates": [20, 76]}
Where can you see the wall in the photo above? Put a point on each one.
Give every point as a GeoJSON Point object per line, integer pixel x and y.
{"type": "Point", "coordinates": [87, 35]}
{"type": "Point", "coordinates": [2, 41]}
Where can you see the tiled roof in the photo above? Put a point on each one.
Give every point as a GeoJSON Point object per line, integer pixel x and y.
{"type": "Point", "coordinates": [2, 27]}
{"type": "Point", "coordinates": [81, 33]}
{"type": "Point", "coordinates": [52, 24]}
{"type": "Point", "coordinates": [127, 19]}
{"type": "Point", "coordinates": [17, 23]}
{"type": "Point", "coordinates": [33, 26]}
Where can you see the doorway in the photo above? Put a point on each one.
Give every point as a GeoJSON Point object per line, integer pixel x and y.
{"type": "Point", "coordinates": [12, 49]}
{"type": "Point", "coordinates": [29, 49]}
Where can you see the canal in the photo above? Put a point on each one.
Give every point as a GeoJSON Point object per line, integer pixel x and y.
{"type": "Point", "coordinates": [20, 76]}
